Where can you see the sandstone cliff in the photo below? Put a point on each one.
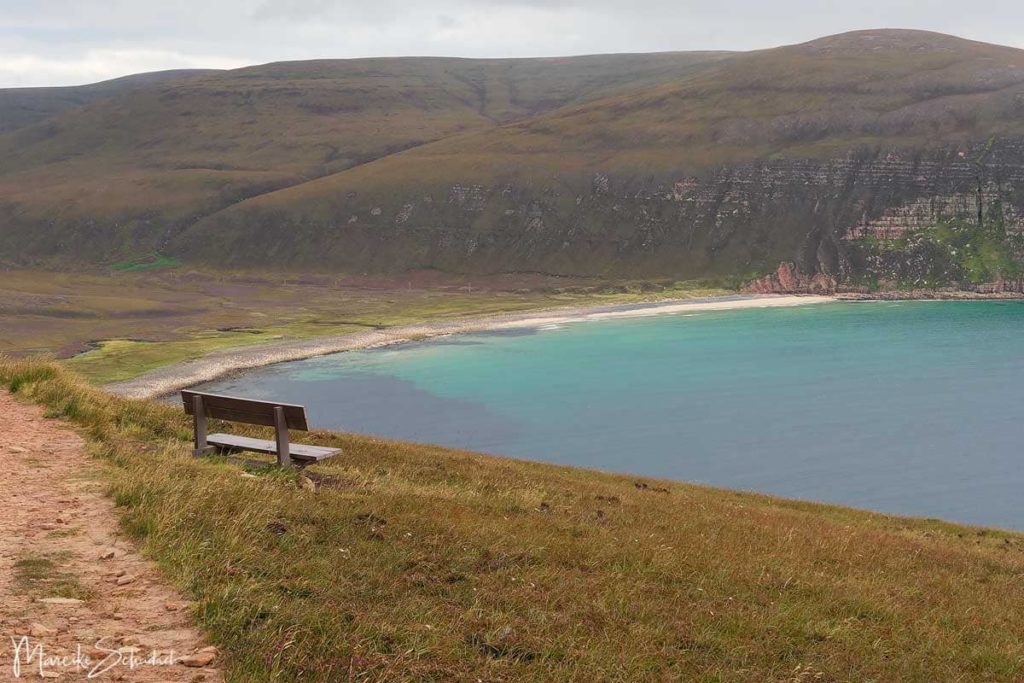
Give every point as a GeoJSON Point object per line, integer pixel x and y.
{"type": "Point", "coordinates": [812, 214]}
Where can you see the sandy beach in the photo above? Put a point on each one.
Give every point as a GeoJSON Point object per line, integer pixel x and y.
{"type": "Point", "coordinates": [172, 378]}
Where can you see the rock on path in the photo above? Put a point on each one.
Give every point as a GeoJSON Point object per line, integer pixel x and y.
{"type": "Point", "coordinates": [52, 512]}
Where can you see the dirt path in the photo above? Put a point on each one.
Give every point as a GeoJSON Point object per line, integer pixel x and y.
{"type": "Point", "coordinates": [72, 588]}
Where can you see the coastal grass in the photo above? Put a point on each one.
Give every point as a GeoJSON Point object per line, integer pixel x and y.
{"type": "Point", "coordinates": [117, 325]}
{"type": "Point", "coordinates": [401, 562]}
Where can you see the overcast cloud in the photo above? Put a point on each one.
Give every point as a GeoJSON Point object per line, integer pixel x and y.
{"type": "Point", "coordinates": [66, 42]}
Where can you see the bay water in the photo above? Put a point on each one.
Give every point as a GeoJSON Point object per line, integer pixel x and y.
{"type": "Point", "coordinates": [912, 408]}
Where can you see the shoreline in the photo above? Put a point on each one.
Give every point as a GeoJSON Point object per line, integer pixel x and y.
{"type": "Point", "coordinates": [929, 295]}
{"type": "Point", "coordinates": [224, 363]}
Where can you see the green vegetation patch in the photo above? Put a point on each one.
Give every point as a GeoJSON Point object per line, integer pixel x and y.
{"type": "Point", "coordinates": [958, 252]}
{"type": "Point", "coordinates": [42, 575]}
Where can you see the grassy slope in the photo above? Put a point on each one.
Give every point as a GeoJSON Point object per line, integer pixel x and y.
{"type": "Point", "coordinates": [141, 163]}
{"type": "Point", "coordinates": [420, 563]}
{"type": "Point", "coordinates": [20, 107]}
{"type": "Point", "coordinates": [810, 100]}
{"type": "Point", "coordinates": [319, 165]}
{"type": "Point", "coordinates": [866, 90]}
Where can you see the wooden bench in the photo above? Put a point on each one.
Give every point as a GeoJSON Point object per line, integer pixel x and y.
{"type": "Point", "coordinates": [280, 416]}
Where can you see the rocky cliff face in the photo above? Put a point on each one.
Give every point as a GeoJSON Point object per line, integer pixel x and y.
{"type": "Point", "coordinates": [788, 279]}
{"type": "Point", "coordinates": [812, 215]}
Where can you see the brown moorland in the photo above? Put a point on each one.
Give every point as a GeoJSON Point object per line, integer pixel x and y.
{"type": "Point", "coordinates": [678, 165]}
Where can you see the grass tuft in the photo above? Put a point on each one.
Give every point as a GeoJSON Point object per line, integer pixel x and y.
{"type": "Point", "coordinates": [42, 576]}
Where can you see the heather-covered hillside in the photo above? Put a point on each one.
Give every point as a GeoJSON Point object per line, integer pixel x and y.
{"type": "Point", "coordinates": [676, 165]}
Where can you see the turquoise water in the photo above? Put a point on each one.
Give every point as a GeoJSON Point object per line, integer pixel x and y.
{"type": "Point", "coordinates": [906, 407]}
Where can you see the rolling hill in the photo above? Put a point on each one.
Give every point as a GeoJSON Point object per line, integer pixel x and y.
{"type": "Point", "coordinates": [121, 175]}
{"type": "Point", "coordinates": [680, 165]}
{"type": "Point", "coordinates": [20, 107]}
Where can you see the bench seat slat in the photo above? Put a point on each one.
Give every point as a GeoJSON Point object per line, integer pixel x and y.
{"type": "Point", "coordinates": [299, 451]}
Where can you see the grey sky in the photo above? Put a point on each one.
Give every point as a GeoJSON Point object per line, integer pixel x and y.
{"type": "Point", "coordinates": [64, 42]}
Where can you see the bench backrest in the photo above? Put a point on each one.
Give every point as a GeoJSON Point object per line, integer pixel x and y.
{"type": "Point", "coordinates": [245, 410]}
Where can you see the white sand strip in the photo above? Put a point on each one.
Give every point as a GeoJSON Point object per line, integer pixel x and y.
{"type": "Point", "coordinates": [219, 364]}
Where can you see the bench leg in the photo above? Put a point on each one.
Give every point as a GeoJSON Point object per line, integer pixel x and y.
{"type": "Point", "coordinates": [199, 427]}
{"type": "Point", "coordinates": [284, 456]}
